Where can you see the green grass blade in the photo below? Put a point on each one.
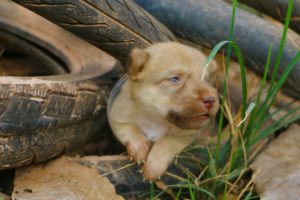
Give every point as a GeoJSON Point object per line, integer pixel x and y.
{"type": "Point", "coordinates": [284, 75]}
{"type": "Point", "coordinates": [228, 56]}
{"type": "Point", "coordinates": [280, 123]}
{"type": "Point", "coordinates": [178, 194]}
{"type": "Point", "coordinates": [270, 95]}
{"type": "Point", "coordinates": [264, 80]}
{"type": "Point", "coordinates": [284, 107]}
{"type": "Point", "coordinates": [192, 192]}
{"type": "Point", "coordinates": [182, 186]}
{"type": "Point", "coordinates": [152, 193]}
{"type": "Point", "coordinates": [211, 56]}
{"type": "Point", "coordinates": [243, 77]}
{"type": "Point", "coordinates": [211, 164]}
{"type": "Point", "coordinates": [244, 83]}
{"type": "Point", "coordinates": [273, 92]}
{"type": "Point", "coordinates": [274, 87]}
{"type": "Point", "coordinates": [254, 116]}
{"type": "Point", "coordinates": [282, 42]}
{"type": "Point", "coordinates": [248, 196]}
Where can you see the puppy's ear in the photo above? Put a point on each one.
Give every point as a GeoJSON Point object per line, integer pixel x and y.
{"type": "Point", "coordinates": [138, 59]}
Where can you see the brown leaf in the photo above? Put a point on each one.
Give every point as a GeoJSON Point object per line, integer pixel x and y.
{"type": "Point", "coordinates": [4, 196]}
{"type": "Point", "coordinates": [62, 179]}
{"type": "Point", "coordinates": [278, 167]}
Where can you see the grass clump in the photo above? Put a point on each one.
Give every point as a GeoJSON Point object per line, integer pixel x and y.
{"type": "Point", "coordinates": [226, 168]}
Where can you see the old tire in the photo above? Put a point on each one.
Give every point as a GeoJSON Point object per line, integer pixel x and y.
{"type": "Point", "coordinates": [129, 182]}
{"type": "Point", "coordinates": [207, 22]}
{"type": "Point", "coordinates": [277, 9]}
{"type": "Point", "coordinates": [116, 26]}
{"type": "Point", "coordinates": [43, 116]}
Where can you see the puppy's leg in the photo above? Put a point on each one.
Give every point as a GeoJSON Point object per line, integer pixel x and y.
{"type": "Point", "coordinates": [162, 153]}
{"type": "Point", "coordinates": [132, 137]}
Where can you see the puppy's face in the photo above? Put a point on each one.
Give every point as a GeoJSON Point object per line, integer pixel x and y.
{"type": "Point", "coordinates": [166, 81]}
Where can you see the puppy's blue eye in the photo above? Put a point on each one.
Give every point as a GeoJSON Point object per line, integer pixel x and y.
{"type": "Point", "coordinates": [174, 79]}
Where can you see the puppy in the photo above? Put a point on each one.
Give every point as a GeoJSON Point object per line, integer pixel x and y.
{"type": "Point", "coordinates": [163, 105]}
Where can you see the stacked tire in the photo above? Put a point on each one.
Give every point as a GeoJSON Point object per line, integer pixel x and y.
{"type": "Point", "coordinates": [44, 116]}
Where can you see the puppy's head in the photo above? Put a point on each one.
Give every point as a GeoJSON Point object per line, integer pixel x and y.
{"type": "Point", "coordinates": [165, 80]}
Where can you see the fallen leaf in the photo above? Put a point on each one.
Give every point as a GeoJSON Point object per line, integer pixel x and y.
{"type": "Point", "coordinates": [4, 197]}
{"type": "Point", "coordinates": [62, 179]}
{"type": "Point", "coordinates": [278, 167]}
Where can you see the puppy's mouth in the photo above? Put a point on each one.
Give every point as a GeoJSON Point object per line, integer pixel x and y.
{"type": "Point", "coordinates": [183, 121]}
{"type": "Point", "coordinates": [200, 116]}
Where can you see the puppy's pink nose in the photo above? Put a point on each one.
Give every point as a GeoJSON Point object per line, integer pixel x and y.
{"type": "Point", "coordinates": [208, 101]}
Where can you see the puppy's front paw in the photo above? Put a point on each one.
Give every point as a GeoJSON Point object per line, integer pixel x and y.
{"type": "Point", "coordinates": [152, 171]}
{"type": "Point", "coordinates": [138, 149]}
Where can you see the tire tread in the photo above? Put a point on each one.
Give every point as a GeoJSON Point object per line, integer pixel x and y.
{"type": "Point", "coordinates": [115, 26]}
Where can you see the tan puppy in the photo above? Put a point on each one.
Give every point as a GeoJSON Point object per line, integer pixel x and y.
{"type": "Point", "coordinates": [164, 104]}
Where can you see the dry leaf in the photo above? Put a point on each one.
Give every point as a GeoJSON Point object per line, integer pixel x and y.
{"type": "Point", "coordinates": [4, 197]}
{"type": "Point", "coordinates": [62, 179]}
{"type": "Point", "coordinates": [279, 167]}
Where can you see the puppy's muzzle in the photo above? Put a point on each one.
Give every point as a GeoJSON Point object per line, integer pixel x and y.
{"type": "Point", "coordinates": [208, 102]}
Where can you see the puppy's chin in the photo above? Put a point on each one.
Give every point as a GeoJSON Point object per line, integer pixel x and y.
{"type": "Point", "coordinates": [183, 121]}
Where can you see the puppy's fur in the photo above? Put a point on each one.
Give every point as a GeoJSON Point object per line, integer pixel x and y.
{"type": "Point", "coordinates": [164, 104]}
